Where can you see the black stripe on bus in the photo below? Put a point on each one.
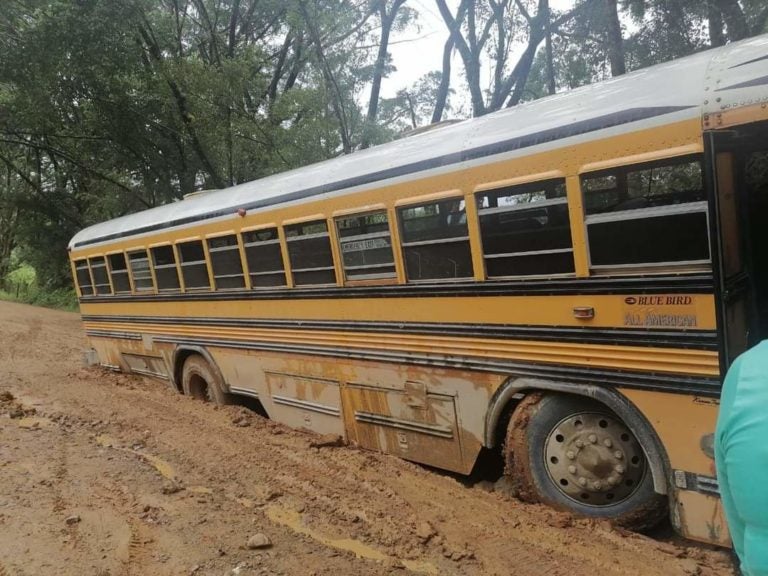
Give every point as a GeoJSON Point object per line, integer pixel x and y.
{"type": "Point", "coordinates": [595, 286]}
{"type": "Point", "coordinates": [701, 386]}
{"type": "Point", "coordinates": [758, 59]}
{"type": "Point", "coordinates": [762, 81]}
{"type": "Point", "coordinates": [686, 339]}
{"type": "Point", "coordinates": [542, 137]}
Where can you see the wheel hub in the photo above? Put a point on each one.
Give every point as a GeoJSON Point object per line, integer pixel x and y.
{"type": "Point", "coordinates": [594, 459]}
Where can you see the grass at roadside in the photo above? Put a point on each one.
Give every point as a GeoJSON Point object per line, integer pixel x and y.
{"type": "Point", "coordinates": [62, 299]}
{"type": "Point", "coordinates": [21, 286]}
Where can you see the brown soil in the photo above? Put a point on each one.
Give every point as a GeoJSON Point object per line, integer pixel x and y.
{"type": "Point", "coordinates": [108, 474]}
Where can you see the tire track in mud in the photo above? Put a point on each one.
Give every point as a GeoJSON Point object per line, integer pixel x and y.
{"type": "Point", "coordinates": [13, 347]}
{"type": "Point", "coordinates": [137, 551]}
{"type": "Point", "coordinates": [323, 487]}
{"type": "Point", "coordinates": [132, 550]}
{"type": "Point", "coordinates": [318, 485]}
{"type": "Point", "coordinates": [60, 477]}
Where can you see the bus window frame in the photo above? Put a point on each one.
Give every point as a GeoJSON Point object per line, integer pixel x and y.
{"type": "Point", "coordinates": [285, 242]}
{"type": "Point", "coordinates": [639, 162]}
{"type": "Point", "coordinates": [93, 277]}
{"type": "Point", "coordinates": [212, 273]}
{"type": "Point", "coordinates": [169, 244]}
{"type": "Point", "coordinates": [107, 255]}
{"type": "Point", "coordinates": [531, 179]}
{"type": "Point", "coordinates": [136, 291]}
{"type": "Point", "coordinates": [90, 277]}
{"type": "Point", "coordinates": [208, 271]}
{"type": "Point", "coordinates": [280, 244]}
{"type": "Point", "coordinates": [365, 211]}
{"type": "Point", "coordinates": [435, 197]}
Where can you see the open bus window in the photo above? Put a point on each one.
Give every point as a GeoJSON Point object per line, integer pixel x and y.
{"type": "Point", "coordinates": [526, 230]}
{"type": "Point", "coordinates": [83, 278]}
{"type": "Point", "coordinates": [118, 269]}
{"type": "Point", "coordinates": [194, 268]}
{"type": "Point", "coordinates": [226, 263]}
{"type": "Point", "coordinates": [435, 240]}
{"type": "Point", "coordinates": [142, 275]}
{"type": "Point", "coordinates": [309, 248]}
{"type": "Point", "coordinates": [648, 214]}
{"type": "Point", "coordinates": [366, 246]}
{"type": "Point", "coordinates": [264, 258]}
{"type": "Point", "coordinates": [100, 277]}
{"type": "Point", "coordinates": [164, 261]}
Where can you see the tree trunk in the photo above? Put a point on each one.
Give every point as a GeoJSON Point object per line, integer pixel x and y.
{"type": "Point", "coordinates": [8, 219]}
{"type": "Point", "coordinates": [7, 244]}
{"type": "Point", "coordinates": [715, 21]}
{"type": "Point", "coordinates": [523, 69]}
{"type": "Point", "coordinates": [445, 82]}
{"type": "Point", "coordinates": [735, 21]}
{"type": "Point", "coordinates": [387, 20]}
{"type": "Point", "coordinates": [471, 60]}
{"type": "Point", "coordinates": [279, 68]}
{"type": "Point", "coordinates": [615, 46]}
{"type": "Point", "coordinates": [181, 104]}
{"type": "Point", "coordinates": [298, 64]}
{"type": "Point", "coordinates": [551, 85]}
{"type": "Point", "coordinates": [233, 29]}
{"type": "Point", "coordinates": [337, 101]}
{"type": "Point", "coordinates": [411, 110]}
{"type": "Point", "coordinates": [518, 78]}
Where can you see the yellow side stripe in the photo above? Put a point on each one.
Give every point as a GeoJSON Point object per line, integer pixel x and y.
{"type": "Point", "coordinates": [671, 360]}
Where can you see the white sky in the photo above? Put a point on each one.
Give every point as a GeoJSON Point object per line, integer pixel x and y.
{"type": "Point", "coordinates": [419, 49]}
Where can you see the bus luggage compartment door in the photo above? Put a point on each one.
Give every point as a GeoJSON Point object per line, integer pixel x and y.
{"type": "Point", "coordinates": [411, 423]}
{"type": "Point", "coordinates": [302, 402]}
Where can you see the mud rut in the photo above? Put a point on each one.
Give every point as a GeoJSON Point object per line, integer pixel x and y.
{"type": "Point", "coordinates": [108, 474]}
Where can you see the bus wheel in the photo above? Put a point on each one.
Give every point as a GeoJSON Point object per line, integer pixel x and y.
{"type": "Point", "coordinates": [574, 454]}
{"type": "Point", "coordinates": [199, 381]}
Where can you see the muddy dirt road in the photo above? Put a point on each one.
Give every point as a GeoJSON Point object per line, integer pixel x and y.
{"type": "Point", "coordinates": [107, 474]}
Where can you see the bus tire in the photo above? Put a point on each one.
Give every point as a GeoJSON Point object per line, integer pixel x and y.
{"type": "Point", "coordinates": [199, 381]}
{"type": "Point", "coordinates": [574, 454]}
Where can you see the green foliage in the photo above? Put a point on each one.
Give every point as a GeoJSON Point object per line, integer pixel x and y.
{"type": "Point", "coordinates": [21, 285]}
{"type": "Point", "coordinates": [60, 299]}
{"type": "Point", "coordinates": [109, 107]}
{"type": "Point", "coordinates": [24, 275]}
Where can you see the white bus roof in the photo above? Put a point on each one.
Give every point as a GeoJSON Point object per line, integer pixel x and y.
{"type": "Point", "coordinates": [677, 90]}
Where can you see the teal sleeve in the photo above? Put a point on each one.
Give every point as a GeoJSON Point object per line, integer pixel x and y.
{"type": "Point", "coordinates": [741, 454]}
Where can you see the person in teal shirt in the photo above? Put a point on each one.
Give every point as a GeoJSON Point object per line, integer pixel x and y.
{"type": "Point", "coordinates": [741, 455]}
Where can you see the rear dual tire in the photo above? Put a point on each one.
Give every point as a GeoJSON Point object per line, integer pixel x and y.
{"type": "Point", "coordinates": [574, 454]}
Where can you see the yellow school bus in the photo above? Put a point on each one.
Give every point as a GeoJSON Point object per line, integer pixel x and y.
{"type": "Point", "coordinates": [565, 281]}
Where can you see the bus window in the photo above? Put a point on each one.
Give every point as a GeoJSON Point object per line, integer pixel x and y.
{"type": "Point", "coordinates": [119, 271]}
{"type": "Point", "coordinates": [526, 230]}
{"type": "Point", "coordinates": [226, 263]}
{"type": "Point", "coordinates": [142, 275]}
{"type": "Point", "coordinates": [650, 214]}
{"type": "Point", "coordinates": [309, 248]}
{"type": "Point", "coordinates": [435, 240]}
{"type": "Point", "coordinates": [264, 258]}
{"type": "Point", "coordinates": [194, 268]}
{"type": "Point", "coordinates": [164, 261]}
{"type": "Point", "coordinates": [83, 277]}
{"type": "Point", "coordinates": [100, 277]}
{"type": "Point", "coordinates": [366, 246]}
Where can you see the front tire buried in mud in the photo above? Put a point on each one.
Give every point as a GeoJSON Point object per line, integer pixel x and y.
{"type": "Point", "coordinates": [200, 381]}
{"type": "Point", "coordinates": [574, 454]}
